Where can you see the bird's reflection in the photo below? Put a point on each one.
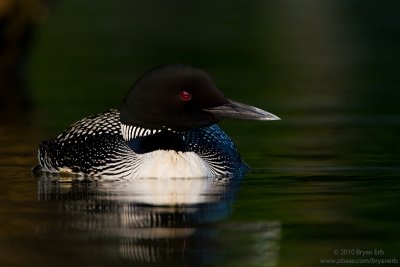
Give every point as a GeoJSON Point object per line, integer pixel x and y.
{"type": "Point", "coordinates": [164, 221]}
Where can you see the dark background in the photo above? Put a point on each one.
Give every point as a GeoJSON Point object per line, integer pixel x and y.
{"type": "Point", "coordinates": [327, 174]}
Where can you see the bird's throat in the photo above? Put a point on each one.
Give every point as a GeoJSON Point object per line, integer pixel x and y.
{"type": "Point", "coordinates": [164, 140]}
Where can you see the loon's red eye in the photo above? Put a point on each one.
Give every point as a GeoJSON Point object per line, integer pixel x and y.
{"type": "Point", "coordinates": [185, 95]}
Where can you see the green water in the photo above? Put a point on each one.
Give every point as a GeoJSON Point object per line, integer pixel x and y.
{"type": "Point", "coordinates": [325, 180]}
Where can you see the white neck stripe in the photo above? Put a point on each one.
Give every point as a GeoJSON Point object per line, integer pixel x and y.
{"type": "Point", "coordinates": [131, 132]}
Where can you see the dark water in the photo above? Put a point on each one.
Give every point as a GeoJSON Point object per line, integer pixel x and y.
{"type": "Point", "coordinates": [325, 180]}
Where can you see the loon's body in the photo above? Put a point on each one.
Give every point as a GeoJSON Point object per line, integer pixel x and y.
{"type": "Point", "coordinates": [98, 145]}
{"type": "Point", "coordinates": [165, 128]}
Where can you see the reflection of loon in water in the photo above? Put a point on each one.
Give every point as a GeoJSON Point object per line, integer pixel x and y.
{"type": "Point", "coordinates": [135, 222]}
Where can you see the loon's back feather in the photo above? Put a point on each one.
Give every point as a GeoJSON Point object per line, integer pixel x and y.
{"type": "Point", "coordinates": [94, 146]}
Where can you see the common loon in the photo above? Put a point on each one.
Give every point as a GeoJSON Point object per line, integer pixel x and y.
{"type": "Point", "coordinates": [165, 128]}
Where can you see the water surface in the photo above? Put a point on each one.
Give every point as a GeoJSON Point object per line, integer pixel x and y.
{"type": "Point", "coordinates": [295, 210]}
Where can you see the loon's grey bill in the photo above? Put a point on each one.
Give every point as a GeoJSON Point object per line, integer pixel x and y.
{"type": "Point", "coordinates": [237, 110]}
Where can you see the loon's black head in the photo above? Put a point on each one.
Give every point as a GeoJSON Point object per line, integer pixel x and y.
{"type": "Point", "coordinates": [180, 97]}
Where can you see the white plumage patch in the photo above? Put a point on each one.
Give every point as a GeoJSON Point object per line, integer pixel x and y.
{"type": "Point", "coordinates": [170, 164]}
{"type": "Point", "coordinates": [65, 170]}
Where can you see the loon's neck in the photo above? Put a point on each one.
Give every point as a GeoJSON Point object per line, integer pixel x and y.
{"type": "Point", "coordinates": [130, 132]}
{"type": "Point", "coordinates": [142, 140]}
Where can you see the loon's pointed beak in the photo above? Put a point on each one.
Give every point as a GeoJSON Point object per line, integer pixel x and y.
{"type": "Point", "coordinates": [236, 110]}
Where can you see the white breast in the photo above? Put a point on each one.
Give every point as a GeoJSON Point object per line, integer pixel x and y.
{"type": "Point", "coordinates": [170, 164]}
